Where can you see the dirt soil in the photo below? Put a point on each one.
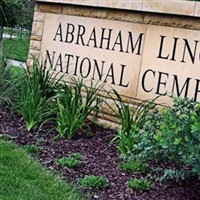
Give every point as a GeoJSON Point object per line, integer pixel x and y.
{"type": "Point", "coordinates": [100, 158]}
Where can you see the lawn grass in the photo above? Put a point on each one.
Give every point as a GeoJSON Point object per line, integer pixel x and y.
{"type": "Point", "coordinates": [16, 71]}
{"type": "Point", "coordinates": [16, 49]}
{"type": "Point", "coordinates": [22, 178]}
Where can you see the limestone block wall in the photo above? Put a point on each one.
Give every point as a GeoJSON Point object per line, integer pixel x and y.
{"type": "Point", "coordinates": [177, 17]}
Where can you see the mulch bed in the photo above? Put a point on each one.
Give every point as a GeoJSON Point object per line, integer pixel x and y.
{"type": "Point", "coordinates": [100, 158]}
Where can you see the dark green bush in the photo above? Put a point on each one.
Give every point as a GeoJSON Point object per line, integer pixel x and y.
{"type": "Point", "coordinates": [169, 133]}
{"type": "Point", "coordinates": [179, 134]}
{"type": "Point", "coordinates": [173, 134]}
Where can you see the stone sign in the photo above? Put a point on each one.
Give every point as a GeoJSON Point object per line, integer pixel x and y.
{"type": "Point", "coordinates": [136, 60]}
{"type": "Point", "coordinates": [106, 51]}
{"type": "Point", "coordinates": [143, 49]}
{"type": "Point", "coordinates": [170, 64]}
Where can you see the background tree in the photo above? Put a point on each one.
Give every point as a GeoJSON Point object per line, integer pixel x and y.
{"type": "Point", "coordinates": [2, 19]}
{"type": "Point", "coordinates": [24, 19]}
{"type": "Point", "coordinates": [17, 12]}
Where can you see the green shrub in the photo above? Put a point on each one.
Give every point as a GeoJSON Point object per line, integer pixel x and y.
{"type": "Point", "coordinates": [147, 147]}
{"type": "Point", "coordinates": [139, 184]}
{"type": "Point", "coordinates": [93, 181]}
{"type": "Point", "coordinates": [173, 134]}
{"type": "Point", "coordinates": [169, 133]}
{"type": "Point", "coordinates": [73, 107]}
{"type": "Point", "coordinates": [133, 166]}
{"type": "Point", "coordinates": [179, 134]}
{"type": "Point", "coordinates": [69, 162]}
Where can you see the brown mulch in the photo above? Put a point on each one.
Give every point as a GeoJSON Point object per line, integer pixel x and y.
{"type": "Point", "coordinates": [100, 158]}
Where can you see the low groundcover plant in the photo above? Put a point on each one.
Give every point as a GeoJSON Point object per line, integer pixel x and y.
{"type": "Point", "coordinates": [32, 148]}
{"type": "Point", "coordinates": [73, 161]}
{"type": "Point", "coordinates": [69, 162]}
{"type": "Point", "coordinates": [133, 166]}
{"type": "Point", "coordinates": [139, 184]}
{"type": "Point", "coordinates": [93, 181]}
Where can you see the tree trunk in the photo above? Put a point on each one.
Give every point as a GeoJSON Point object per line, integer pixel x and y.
{"type": "Point", "coordinates": [1, 46]}
{"type": "Point", "coordinates": [20, 36]}
{"type": "Point", "coordinates": [1, 32]}
{"type": "Point", "coordinates": [11, 33]}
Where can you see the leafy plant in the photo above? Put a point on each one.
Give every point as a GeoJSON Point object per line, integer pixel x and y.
{"type": "Point", "coordinates": [133, 166]}
{"type": "Point", "coordinates": [73, 107]}
{"type": "Point", "coordinates": [179, 136]}
{"type": "Point", "coordinates": [172, 174]}
{"type": "Point", "coordinates": [69, 162]}
{"type": "Point", "coordinates": [132, 121]}
{"type": "Point", "coordinates": [35, 96]}
{"type": "Point", "coordinates": [191, 156]}
{"type": "Point", "coordinates": [173, 134]}
{"type": "Point", "coordinates": [139, 184]}
{"type": "Point", "coordinates": [32, 148]}
{"type": "Point", "coordinates": [93, 181]}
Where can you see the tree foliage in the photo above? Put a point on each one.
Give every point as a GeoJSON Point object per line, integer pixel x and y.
{"type": "Point", "coordinates": [17, 13]}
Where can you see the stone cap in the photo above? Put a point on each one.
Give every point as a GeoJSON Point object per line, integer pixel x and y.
{"type": "Point", "coordinates": [177, 7]}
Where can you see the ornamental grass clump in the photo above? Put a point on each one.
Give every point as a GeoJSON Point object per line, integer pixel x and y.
{"type": "Point", "coordinates": [34, 99]}
{"type": "Point", "coordinates": [132, 121]}
{"type": "Point", "coordinates": [74, 106]}
{"type": "Point", "coordinates": [8, 84]}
